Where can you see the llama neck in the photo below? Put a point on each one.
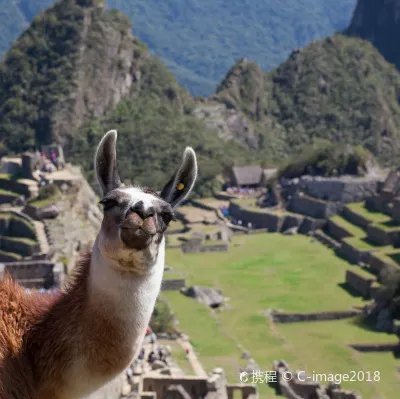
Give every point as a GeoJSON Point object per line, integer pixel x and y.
{"type": "Point", "coordinates": [96, 328]}
{"type": "Point", "coordinates": [119, 307]}
{"type": "Point", "coordinates": [127, 298]}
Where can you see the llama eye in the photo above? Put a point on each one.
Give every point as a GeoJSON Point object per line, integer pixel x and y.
{"type": "Point", "coordinates": [108, 204]}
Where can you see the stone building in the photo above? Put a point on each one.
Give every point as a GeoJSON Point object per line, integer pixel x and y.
{"type": "Point", "coordinates": [245, 176]}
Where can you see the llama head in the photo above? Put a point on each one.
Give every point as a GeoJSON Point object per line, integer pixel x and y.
{"type": "Point", "coordinates": [136, 218]}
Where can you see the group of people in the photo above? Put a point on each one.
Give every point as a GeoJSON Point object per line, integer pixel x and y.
{"type": "Point", "coordinates": [48, 166]}
{"type": "Point", "coordinates": [52, 163]}
{"type": "Point", "coordinates": [242, 190]}
{"type": "Point", "coordinates": [157, 352]}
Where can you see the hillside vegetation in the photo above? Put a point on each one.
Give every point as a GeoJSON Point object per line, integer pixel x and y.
{"type": "Point", "coordinates": [74, 62]}
{"type": "Point", "coordinates": [340, 89]}
{"type": "Point", "coordinates": [200, 40]}
{"type": "Point", "coordinates": [378, 23]}
{"type": "Point", "coordinates": [154, 126]}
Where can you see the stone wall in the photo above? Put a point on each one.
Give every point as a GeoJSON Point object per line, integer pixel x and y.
{"type": "Point", "coordinates": [360, 282]}
{"type": "Point", "coordinates": [310, 224]}
{"type": "Point", "coordinates": [313, 207]}
{"type": "Point", "coordinates": [196, 387]}
{"type": "Point", "coordinates": [376, 347]}
{"type": "Point", "coordinates": [343, 189]}
{"type": "Point", "coordinates": [378, 204]}
{"type": "Point", "coordinates": [214, 248]}
{"type": "Point", "coordinates": [355, 218]}
{"type": "Point", "coordinates": [257, 218]}
{"type": "Point", "coordinates": [19, 246]}
{"type": "Point", "coordinates": [16, 224]}
{"type": "Point", "coordinates": [292, 221]}
{"type": "Point", "coordinates": [378, 263]}
{"type": "Point", "coordinates": [173, 284]}
{"type": "Point", "coordinates": [209, 387]}
{"type": "Point", "coordinates": [336, 231]}
{"type": "Point", "coordinates": [302, 387]}
{"type": "Point", "coordinates": [9, 257]}
{"type": "Point", "coordinates": [381, 236]}
{"type": "Point", "coordinates": [352, 254]}
{"type": "Point", "coordinates": [283, 317]}
{"type": "Point", "coordinates": [396, 209]}
{"type": "Point", "coordinates": [241, 390]}
{"type": "Point", "coordinates": [8, 198]}
{"type": "Point", "coordinates": [15, 186]}
{"type": "Point", "coordinates": [32, 270]}
{"type": "Point", "coordinates": [327, 240]}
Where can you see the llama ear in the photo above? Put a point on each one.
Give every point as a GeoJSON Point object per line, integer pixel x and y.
{"type": "Point", "coordinates": [183, 180]}
{"type": "Point", "coordinates": [105, 163]}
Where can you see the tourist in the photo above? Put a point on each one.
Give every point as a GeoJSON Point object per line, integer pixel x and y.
{"type": "Point", "coordinates": [141, 354]}
{"type": "Point", "coordinates": [151, 357]}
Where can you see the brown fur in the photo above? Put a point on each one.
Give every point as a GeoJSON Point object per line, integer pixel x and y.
{"type": "Point", "coordinates": [32, 356]}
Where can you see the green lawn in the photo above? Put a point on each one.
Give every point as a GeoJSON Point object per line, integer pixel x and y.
{"type": "Point", "coordinates": [271, 271]}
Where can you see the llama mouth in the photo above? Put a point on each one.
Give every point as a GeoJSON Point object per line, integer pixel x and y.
{"type": "Point", "coordinates": [136, 238]}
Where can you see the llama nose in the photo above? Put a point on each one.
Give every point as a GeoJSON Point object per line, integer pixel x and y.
{"type": "Point", "coordinates": [140, 210]}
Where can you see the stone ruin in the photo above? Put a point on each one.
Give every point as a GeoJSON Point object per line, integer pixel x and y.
{"type": "Point", "coordinates": [194, 387]}
{"type": "Point", "coordinates": [209, 296]}
{"type": "Point", "coordinates": [293, 385]}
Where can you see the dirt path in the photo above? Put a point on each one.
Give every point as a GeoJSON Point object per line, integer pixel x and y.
{"type": "Point", "coordinates": [194, 361]}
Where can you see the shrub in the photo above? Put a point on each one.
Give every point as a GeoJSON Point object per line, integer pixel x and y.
{"type": "Point", "coordinates": [49, 191]}
{"type": "Point", "coordinates": [328, 160]}
{"type": "Point", "coordinates": [162, 318]}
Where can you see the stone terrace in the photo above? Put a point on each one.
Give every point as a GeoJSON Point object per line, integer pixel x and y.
{"type": "Point", "coordinates": [367, 238]}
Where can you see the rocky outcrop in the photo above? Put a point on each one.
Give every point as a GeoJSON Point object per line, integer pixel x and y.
{"type": "Point", "coordinates": [92, 61]}
{"type": "Point", "coordinates": [209, 296]}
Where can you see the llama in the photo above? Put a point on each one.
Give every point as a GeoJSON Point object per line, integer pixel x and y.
{"type": "Point", "coordinates": [68, 345]}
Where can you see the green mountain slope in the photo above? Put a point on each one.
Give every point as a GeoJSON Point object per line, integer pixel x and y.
{"type": "Point", "coordinates": [154, 126]}
{"type": "Point", "coordinates": [200, 40]}
{"type": "Point", "coordinates": [74, 62]}
{"type": "Point", "coordinates": [77, 72]}
{"type": "Point", "coordinates": [207, 37]}
{"type": "Point", "coordinates": [340, 89]}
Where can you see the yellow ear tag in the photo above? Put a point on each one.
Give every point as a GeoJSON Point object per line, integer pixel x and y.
{"type": "Point", "coordinates": [180, 186]}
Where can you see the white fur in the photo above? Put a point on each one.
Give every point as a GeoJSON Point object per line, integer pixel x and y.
{"type": "Point", "coordinates": [137, 195]}
{"type": "Point", "coordinates": [131, 300]}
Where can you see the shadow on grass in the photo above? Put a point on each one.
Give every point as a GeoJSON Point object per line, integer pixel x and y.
{"type": "Point", "coordinates": [350, 290]}
{"type": "Point", "coordinates": [368, 323]}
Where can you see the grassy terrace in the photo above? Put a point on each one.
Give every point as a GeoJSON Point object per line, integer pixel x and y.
{"type": "Point", "coordinates": [354, 230]}
{"type": "Point", "coordinates": [374, 217]}
{"type": "Point", "coordinates": [11, 255]}
{"type": "Point", "coordinates": [42, 203]}
{"type": "Point", "coordinates": [176, 225]}
{"type": "Point", "coordinates": [21, 239]}
{"type": "Point", "coordinates": [388, 226]}
{"type": "Point", "coordinates": [363, 245]}
{"type": "Point", "coordinates": [281, 272]}
{"type": "Point", "coordinates": [6, 192]}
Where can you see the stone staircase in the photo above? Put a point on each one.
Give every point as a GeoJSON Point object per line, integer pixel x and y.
{"type": "Point", "coordinates": [41, 237]}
